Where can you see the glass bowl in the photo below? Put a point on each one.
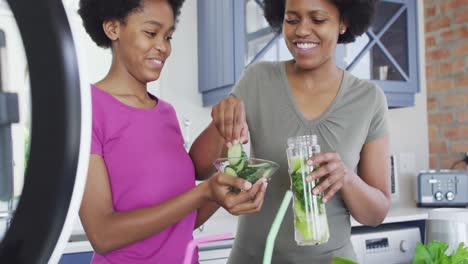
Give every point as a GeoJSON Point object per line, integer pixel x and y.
{"type": "Point", "coordinates": [248, 169]}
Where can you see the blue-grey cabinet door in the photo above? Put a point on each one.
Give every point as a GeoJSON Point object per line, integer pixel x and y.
{"type": "Point", "coordinates": [387, 53]}
{"type": "Point", "coordinates": [76, 258]}
{"type": "Point", "coordinates": [221, 37]}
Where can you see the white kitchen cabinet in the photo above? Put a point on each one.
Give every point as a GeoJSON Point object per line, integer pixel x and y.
{"type": "Point", "coordinates": [215, 252]}
{"type": "Point", "coordinates": [219, 256]}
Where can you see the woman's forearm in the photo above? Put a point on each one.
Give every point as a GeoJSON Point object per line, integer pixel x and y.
{"type": "Point", "coordinates": [139, 224]}
{"type": "Point", "coordinates": [208, 146]}
{"type": "Point", "coordinates": [367, 204]}
{"type": "Point", "coordinates": [205, 212]}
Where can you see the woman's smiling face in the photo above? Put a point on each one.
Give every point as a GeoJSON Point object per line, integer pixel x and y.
{"type": "Point", "coordinates": [311, 29]}
{"type": "Point", "coordinates": [144, 41]}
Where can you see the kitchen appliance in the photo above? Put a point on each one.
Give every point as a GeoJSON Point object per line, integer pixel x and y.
{"type": "Point", "coordinates": [442, 188]}
{"type": "Point", "coordinates": [60, 134]}
{"type": "Point", "coordinates": [386, 244]}
{"type": "Point", "coordinates": [449, 225]}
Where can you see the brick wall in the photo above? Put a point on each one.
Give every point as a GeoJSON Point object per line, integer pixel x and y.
{"type": "Point", "coordinates": [446, 25]}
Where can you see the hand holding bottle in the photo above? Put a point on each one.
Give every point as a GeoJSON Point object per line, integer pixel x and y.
{"type": "Point", "coordinates": [332, 174]}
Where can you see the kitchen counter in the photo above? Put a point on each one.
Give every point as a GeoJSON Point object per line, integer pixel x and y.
{"type": "Point", "coordinates": [401, 213]}
{"type": "Point", "coordinates": [222, 222]}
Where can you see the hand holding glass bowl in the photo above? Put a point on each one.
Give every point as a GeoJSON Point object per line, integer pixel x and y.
{"type": "Point", "coordinates": [237, 164]}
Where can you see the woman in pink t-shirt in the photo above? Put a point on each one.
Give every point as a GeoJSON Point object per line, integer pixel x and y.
{"type": "Point", "coordinates": [141, 203]}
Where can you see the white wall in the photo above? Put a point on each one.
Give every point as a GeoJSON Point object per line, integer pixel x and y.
{"type": "Point", "coordinates": [179, 84]}
{"type": "Point", "coordinates": [179, 79]}
{"type": "Point", "coordinates": [408, 126]}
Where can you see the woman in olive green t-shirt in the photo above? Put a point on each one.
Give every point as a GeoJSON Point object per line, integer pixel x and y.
{"type": "Point", "coordinates": [309, 95]}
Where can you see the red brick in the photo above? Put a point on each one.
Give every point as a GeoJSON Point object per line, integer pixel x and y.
{"type": "Point", "coordinates": [452, 67]}
{"type": "Point", "coordinates": [461, 17]}
{"type": "Point", "coordinates": [430, 12]}
{"type": "Point", "coordinates": [454, 34]}
{"type": "Point", "coordinates": [463, 115]}
{"type": "Point", "coordinates": [445, 68]}
{"type": "Point", "coordinates": [461, 49]}
{"type": "Point", "coordinates": [433, 161]}
{"type": "Point", "coordinates": [461, 81]}
{"type": "Point", "coordinates": [438, 54]}
{"type": "Point", "coordinates": [438, 147]}
{"type": "Point", "coordinates": [430, 42]}
{"type": "Point", "coordinates": [449, 161]}
{"type": "Point", "coordinates": [453, 100]}
{"type": "Point", "coordinates": [432, 103]}
{"type": "Point", "coordinates": [433, 132]}
{"type": "Point", "coordinates": [439, 85]}
{"type": "Point", "coordinates": [430, 70]}
{"type": "Point", "coordinates": [436, 24]}
{"type": "Point", "coordinates": [447, 6]}
{"type": "Point", "coordinates": [440, 118]}
{"type": "Point", "coordinates": [456, 132]}
{"type": "Point", "coordinates": [460, 146]}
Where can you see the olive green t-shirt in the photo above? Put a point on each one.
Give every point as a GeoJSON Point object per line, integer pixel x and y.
{"type": "Point", "coordinates": [357, 115]}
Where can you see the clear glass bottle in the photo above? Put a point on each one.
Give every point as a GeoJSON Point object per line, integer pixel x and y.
{"type": "Point", "coordinates": [310, 217]}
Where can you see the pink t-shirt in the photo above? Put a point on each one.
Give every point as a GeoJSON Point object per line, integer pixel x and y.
{"type": "Point", "coordinates": [147, 164]}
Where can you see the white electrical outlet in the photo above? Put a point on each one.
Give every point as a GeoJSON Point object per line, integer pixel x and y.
{"type": "Point", "coordinates": [406, 163]}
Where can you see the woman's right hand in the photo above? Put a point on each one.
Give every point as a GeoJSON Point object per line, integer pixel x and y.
{"type": "Point", "coordinates": [229, 118]}
{"type": "Point", "coordinates": [248, 201]}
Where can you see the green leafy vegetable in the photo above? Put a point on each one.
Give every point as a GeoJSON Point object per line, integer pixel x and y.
{"type": "Point", "coordinates": [298, 183]}
{"type": "Point", "coordinates": [341, 260]}
{"type": "Point", "coordinates": [434, 253]}
{"type": "Point", "coordinates": [298, 174]}
{"type": "Point", "coordinates": [240, 167]}
{"type": "Point", "coordinates": [301, 221]}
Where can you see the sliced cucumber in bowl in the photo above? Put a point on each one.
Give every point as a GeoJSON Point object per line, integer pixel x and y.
{"type": "Point", "coordinates": [230, 170]}
{"type": "Point", "coordinates": [235, 154]}
{"type": "Point", "coordinates": [241, 165]}
{"type": "Point", "coordinates": [238, 164]}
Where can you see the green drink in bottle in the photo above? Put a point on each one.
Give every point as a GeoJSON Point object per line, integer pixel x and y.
{"type": "Point", "coordinates": [310, 217]}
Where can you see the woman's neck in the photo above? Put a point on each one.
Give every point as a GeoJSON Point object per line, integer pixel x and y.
{"type": "Point", "coordinates": [119, 81]}
{"type": "Point", "coordinates": [317, 77]}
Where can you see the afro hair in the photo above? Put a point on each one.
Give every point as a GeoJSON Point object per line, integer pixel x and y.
{"type": "Point", "coordinates": [95, 12]}
{"type": "Point", "coordinates": [358, 14]}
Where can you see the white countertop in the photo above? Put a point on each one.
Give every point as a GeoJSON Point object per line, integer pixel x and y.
{"type": "Point", "coordinates": [402, 213]}
{"type": "Point", "coordinates": [222, 222]}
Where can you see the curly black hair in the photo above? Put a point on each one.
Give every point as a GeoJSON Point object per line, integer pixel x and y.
{"type": "Point", "coordinates": [358, 14]}
{"type": "Point", "coordinates": [94, 12]}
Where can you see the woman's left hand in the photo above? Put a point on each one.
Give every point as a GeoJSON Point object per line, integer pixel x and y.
{"type": "Point", "coordinates": [332, 174]}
